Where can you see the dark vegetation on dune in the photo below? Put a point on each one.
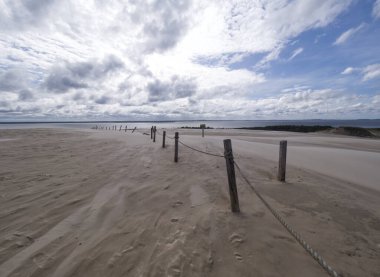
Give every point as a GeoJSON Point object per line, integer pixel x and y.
{"type": "Point", "coordinates": [291, 128]}
{"type": "Point", "coordinates": [344, 130]}
{"type": "Point", "coordinates": [354, 131]}
{"type": "Point", "coordinates": [348, 131]}
{"type": "Point", "coordinates": [187, 127]}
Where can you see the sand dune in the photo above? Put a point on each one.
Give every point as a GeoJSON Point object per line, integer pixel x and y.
{"type": "Point", "coordinates": [106, 203]}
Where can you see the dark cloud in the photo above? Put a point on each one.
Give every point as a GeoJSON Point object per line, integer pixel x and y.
{"type": "Point", "coordinates": [103, 100]}
{"type": "Point", "coordinates": [11, 80]}
{"type": "Point", "coordinates": [177, 87]}
{"type": "Point", "coordinates": [14, 59]}
{"type": "Point", "coordinates": [80, 75]}
{"type": "Point", "coordinates": [95, 69]}
{"type": "Point", "coordinates": [77, 97]}
{"type": "Point", "coordinates": [59, 83]}
{"type": "Point", "coordinates": [25, 95]}
{"type": "Point", "coordinates": [24, 13]}
{"type": "Point", "coordinates": [4, 104]}
{"type": "Point", "coordinates": [164, 22]}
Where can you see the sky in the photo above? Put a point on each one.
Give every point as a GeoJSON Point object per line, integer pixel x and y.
{"type": "Point", "coordinates": [189, 59]}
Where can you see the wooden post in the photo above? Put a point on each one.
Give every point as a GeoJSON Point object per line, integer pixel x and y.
{"type": "Point", "coordinates": [134, 130]}
{"type": "Point", "coordinates": [231, 176]}
{"type": "Point", "coordinates": [151, 132]}
{"type": "Point", "coordinates": [163, 139]}
{"type": "Point", "coordinates": [176, 136]}
{"type": "Point", "coordinates": [154, 133]}
{"type": "Point", "coordinates": [203, 126]}
{"type": "Point", "coordinates": [282, 161]}
{"type": "Point", "coordinates": [125, 128]}
{"type": "Point", "coordinates": [120, 127]}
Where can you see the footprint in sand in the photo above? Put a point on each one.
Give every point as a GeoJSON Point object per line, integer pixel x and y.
{"type": "Point", "coordinates": [238, 257]}
{"type": "Point", "coordinates": [236, 239]}
{"type": "Point", "coordinates": [111, 262]}
{"type": "Point", "coordinates": [117, 255]}
{"type": "Point", "coordinates": [41, 260]}
{"type": "Point", "coordinates": [177, 203]}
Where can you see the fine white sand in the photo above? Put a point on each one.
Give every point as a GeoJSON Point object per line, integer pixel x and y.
{"type": "Point", "coordinates": [110, 203]}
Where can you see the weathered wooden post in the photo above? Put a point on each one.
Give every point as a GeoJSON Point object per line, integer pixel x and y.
{"type": "Point", "coordinates": [163, 139]}
{"type": "Point", "coordinates": [231, 176]}
{"type": "Point", "coordinates": [203, 126]}
{"type": "Point", "coordinates": [134, 129]}
{"type": "Point", "coordinates": [176, 136]}
{"type": "Point", "coordinates": [120, 127]}
{"type": "Point", "coordinates": [154, 133]}
{"type": "Point", "coordinates": [151, 132]}
{"type": "Point", "coordinates": [282, 161]}
{"type": "Point", "coordinates": [125, 128]}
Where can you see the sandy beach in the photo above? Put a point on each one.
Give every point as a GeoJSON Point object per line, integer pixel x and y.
{"type": "Point", "coordinates": [109, 203]}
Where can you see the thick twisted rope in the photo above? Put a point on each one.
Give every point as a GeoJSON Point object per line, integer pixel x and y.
{"type": "Point", "coordinates": [314, 254]}
{"type": "Point", "coordinates": [200, 151]}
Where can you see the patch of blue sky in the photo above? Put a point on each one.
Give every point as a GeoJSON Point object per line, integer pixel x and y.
{"type": "Point", "coordinates": [321, 62]}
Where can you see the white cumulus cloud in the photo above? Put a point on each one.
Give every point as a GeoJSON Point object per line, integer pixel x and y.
{"type": "Point", "coordinates": [371, 72]}
{"type": "Point", "coordinates": [348, 70]}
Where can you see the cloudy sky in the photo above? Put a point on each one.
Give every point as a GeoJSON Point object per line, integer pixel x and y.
{"type": "Point", "coordinates": [189, 59]}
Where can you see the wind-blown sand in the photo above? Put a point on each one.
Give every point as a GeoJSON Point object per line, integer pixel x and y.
{"type": "Point", "coordinates": [110, 203]}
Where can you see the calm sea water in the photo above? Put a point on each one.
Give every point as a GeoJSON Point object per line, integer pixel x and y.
{"type": "Point", "coordinates": [365, 123]}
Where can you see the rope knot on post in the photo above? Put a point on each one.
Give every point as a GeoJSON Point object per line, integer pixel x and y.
{"type": "Point", "coordinates": [228, 154]}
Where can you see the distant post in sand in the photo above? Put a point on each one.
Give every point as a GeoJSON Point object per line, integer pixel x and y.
{"type": "Point", "coordinates": [176, 136]}
{"type": "Point", "coordinates": [282, 161]}
{"type": "Point", "coordinates": [151, 132]}
{"type": "Point", "coordinates": [203, 126]}
{"type": "Point", "coordinates": [163, 139]}
{"type": "Point", "coordinates": [154, 133]}
{"type": "Point", "coordinates": [120, 127]}
{"type": "Point", "coordinates": [231, 176]}
{"type": "Point", "coordinates": [125, 128]}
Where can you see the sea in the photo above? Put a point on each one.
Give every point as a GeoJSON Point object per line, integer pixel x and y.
{"type": "Point", "coordinates": [364, 123]}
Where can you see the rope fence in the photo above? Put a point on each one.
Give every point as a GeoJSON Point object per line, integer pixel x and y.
{"type": "Point", "coordinates": [316, 256]}
{"type": "Point", "coordinates": [231, 164]}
